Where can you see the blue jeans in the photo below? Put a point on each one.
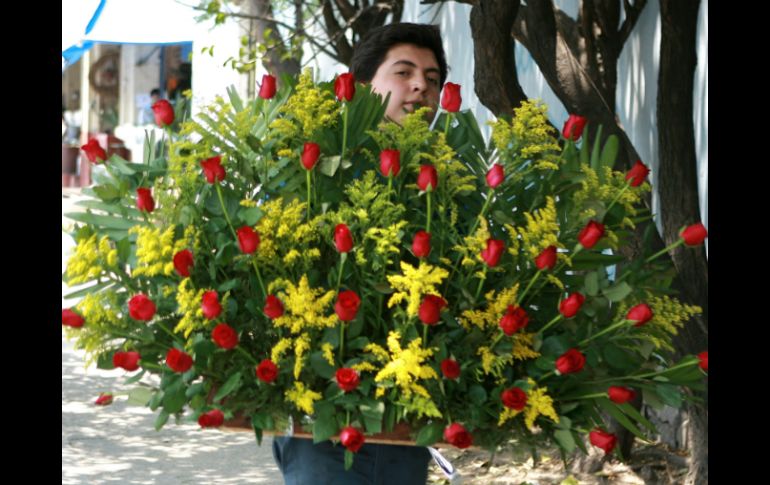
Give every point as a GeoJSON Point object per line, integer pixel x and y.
{"type": "Point", "coordinates": [303, 463]}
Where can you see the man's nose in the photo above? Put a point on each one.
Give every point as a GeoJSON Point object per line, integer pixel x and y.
{"type": "Point", "coordinates": [419, 83]}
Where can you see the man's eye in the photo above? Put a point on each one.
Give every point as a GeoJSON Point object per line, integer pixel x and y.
{"type": "Point", "coordinates": [402, 73]}
{"type": "Point", "coordinates": [435, 82]}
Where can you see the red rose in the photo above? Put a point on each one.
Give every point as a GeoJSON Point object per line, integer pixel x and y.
{"type": "Point", "coordinates": [347, 305]}
{"type": "Point", "coordinates": [178, 361]}
{"type": "Point", "coordinates": [514, 398]}
{"type": "Point", "coordinates": [430, 309]}
{"type": "Point", "coordinates": [428, 178]}
{"type": "Point", "coordinates": [141, 308]}
{"type": "Point", "coordinates": [210, 305]}
{"type": "Point", "coordinates": [248, 239]}
{"type": "Point", "coordinates": [342, 238]}
{"type": "Point", "coordinates": [310, 153]}
{"type": "Point", "coordinates": [603, 440]}
{"type": "Point", "coordinates": [94, 152]}
{"type": "Point", "coordinates": [573, 127]}
{"type": "Point", "coordinates": [183, 261]}
{"type": "Point", "coordinates": [213, 169]}
{"type": "Point", "coordinates": [347, 379]}
{"type": "Point", "coordinates": [71, 319]}
{"type": "Point", "coordinates": [547, 258]}
{"type": "Point", "coordinates": [211, 419]}
{"type": "Point", "coordinates": [390, 162]}
{"type": "Point", "coordinates": [637, 174]}
{"type": "Point", "coordinates": [126, 360]}
{"type": "Point", "coordinates": [515, 318]}
{"type": "Point", "coordinates": [104, 399]}
{"type": "Point", "coordinates": [224, 336]}
{"type": "Point", "coordinates": [267, 89]}
{"type": "Point", "coordinates": [273, 307]}
{"type": "Point", "coordinates": [495, 176]}
{"type": "Point", "coordinates": [455, 434]}
{"type": "Point", "coordinates": [421, 244]}
{"type": "Point", "coordinates": [703, 357]}
{"type": "Point", "coordinates": [570, 361]}
{"type": "Point", "coordinates": [344, 87]}
{"type": "Point", "coordinates": [591, 234]}
{"type": "Point", "coordinates": [694, 235]}
{"type": "Point", "coordinates": [450, 368]}
{"type": "Point", "coordinates": [450, 98]}
{"type": "Point", "coordinates": [144, 200]}
{"type": "Point", "coordinates": [351, 438]}
{"type": "Point", "coordinates": [267, 371]}
{"type": "Point", "coordinates": [640, 314]}
{"type": "Point", "coordinates": [164, 113]}
{"type": "Point", "coordinates": [620, 394]}
{"type": "Point", "coordinates": [571, 305]}
{"type": "Point", "coordinates": [491, 254]}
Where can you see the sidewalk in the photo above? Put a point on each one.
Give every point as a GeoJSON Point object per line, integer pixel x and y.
{"type": "Point", "coordinates": [118, 443]}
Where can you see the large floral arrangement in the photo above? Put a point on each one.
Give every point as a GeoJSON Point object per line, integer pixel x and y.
{"type": "Point", "coordinates": [297, 259]}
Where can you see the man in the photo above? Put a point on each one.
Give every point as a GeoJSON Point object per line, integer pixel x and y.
{"type": "Point", "coordinates": [407, 61]}
{"type": "Point", "coordinates": [146, 116]}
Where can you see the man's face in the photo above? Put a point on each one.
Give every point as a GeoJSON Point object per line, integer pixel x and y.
{"type": "Point", "coordinates": [412, 77]}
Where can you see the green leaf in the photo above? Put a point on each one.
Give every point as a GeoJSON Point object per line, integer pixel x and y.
{"type": "Point", "coordinates": [592, 283]}
{"type": "Point", "coordinates": [652, 398]}
{"type": "Point", "coordinates": [232, 384]}
{"type": "Point", "coordinates": [348, 459]}
{"type": "Point", "coordinates": [621, 418]}
{"type": "Point", "coordinates": [228, 285]}
{"type": "Point", "coordinates": [618, 358]}
{"type": "Point", "coordinates": [372, 415]}
{"type": "Point", "coordinates": [477, 394]}
{"type": "Point", "coordinates": [140, 396]}
{"type": "Point", "coordinates": [617, 292]}
{"type": "Point", "coordinates": [108, 222]}
{"type": "Point", "coordinates": [670, 395]}
{"type": "Point", "coordinates": [107, 192]}
{"type": "Point", "coordinates": [251, 215]}
{"type": "Point", "coordinates": [564, 438]}
{"type": "Point", "coordinates": [324, 427]}
{"type": "Point", "coordinates": [161, 420]}
{"type": "Point", "coordinates": [90, 289]}
{"type": "Point", "coordinates": [636, 416]}
{"type": "Point", "coordinates": [429, 434]}
{"type": "Point", "coordinates": [329, 165]}
{"type": "Point", "coordinates": [320, 366]}
{"type": "Point", "coordinates": [136, 377]}
{"type": "Point", "coordinates": [195, 389]}
{"type": "Point", "coordinates": [174, 397]}
{"type": "Point", "coordinates": [610, 151]}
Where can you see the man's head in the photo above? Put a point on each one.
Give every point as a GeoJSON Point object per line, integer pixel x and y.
{"type": "Point", "coordinates": [405, 60]}
{"type": "Point", "coordinates": [155, 95]}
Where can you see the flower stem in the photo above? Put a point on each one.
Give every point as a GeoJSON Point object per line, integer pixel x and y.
{"type": "Point", "coordinates": [342, 341]}
{"type": "Point", "coordinates": [531, 282]}
{"type": "Point", "coordinates": [248, 355]}
{"type": "Point", "coordinates": [224, 211]}
{"type": "Point", "coordinates": [612, 327]}
{"type": "Point", "coordinates": [427, 228]}
{"type": "Point", "coordinates": [617, 197]}
{"type": "Point", "coordinates": [150, 365]}
{"type": "Point", "coordinates": [483, 211]}
{"type": "Point", "coordinates": [390, 183]}
{"type": "Point", "coordinates": [446, 125]}
{"type": "Point", "coordinates": [424, 336]}
{"type": "Point", "coordinates": [481, 283]}
{"type": "Point", "coordinates": [665, 250]}
{"type": "Point", "coordinates": [259, 277]}
{"type": "Point", "coordinates": [343, 257]}
{"type": "Point", "coordinates": [174, 337]}
{"type": "Point", "coordinates": [308, 194]}
{"type": "Point", "coordinates": [344, 135]}
{"type": "Point", "coordinates": [549, 324]}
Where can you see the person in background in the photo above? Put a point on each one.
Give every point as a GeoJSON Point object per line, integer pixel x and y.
{"type": "Point", "coordinates": [146, 116]}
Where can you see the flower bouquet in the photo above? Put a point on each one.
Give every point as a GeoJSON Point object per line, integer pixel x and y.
{"type": "Point", "coordinates": [297, 262]}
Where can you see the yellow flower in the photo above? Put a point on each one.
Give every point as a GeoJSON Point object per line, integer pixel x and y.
{"type": "Point", "coordinates": [496, 308]}
{"type": "Point", "coordinates": [363, 367]}
{"type": "Point", "coordinates": [380, 353]}
{"type": "Point", "coordinates": [406, 365]}
{"type": "Point", "coordinates": [100, 311]}
{"type": "Point", "coordinates": [415, 283]}
{"type": "Point", "coordinates": [279, 349]}
{"type": "Point", "coordinates": [189, 302]}
{"type": "Point", "coordinates": [328, 353]}
{"type": "Point", "coordinates": [154, 251]}
{"type": "Point", "coordinates": [527, 136]}
{"type": "Point", "coordinates": [539, 403]}
{"type": "Point", "coordinates": [90, 259]}
{"type": "Point", "coordinates": [302, 398]}
{"type": "Point", "coordinates": [522, 346]}
{"type": "Point", "coordinates": [474, 244]}
{"type": "Point", "coordinates": [304, 306]}
{"type": "Point", "coordinates": [307, 110]}
{"type": "Point", "coordinates": [301, 345]}
{"type": "Point", "coordinates": [286, 238]}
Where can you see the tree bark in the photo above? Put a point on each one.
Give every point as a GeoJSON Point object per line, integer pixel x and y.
{"type": "Point", "coordinates": [276, 61]}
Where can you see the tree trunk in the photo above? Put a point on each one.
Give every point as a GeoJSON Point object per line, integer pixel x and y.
{"type": "Point", "coordinates": [276, 62]}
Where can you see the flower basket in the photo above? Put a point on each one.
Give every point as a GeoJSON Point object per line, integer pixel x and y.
{"type": "Point", "coordinates": [296, 255]}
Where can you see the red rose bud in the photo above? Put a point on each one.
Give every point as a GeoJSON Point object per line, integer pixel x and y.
{"type": "Point", "coordinates": [126, 360]}
{"type": "Point", "coordinates": [591, 234]}
{"type": "Point", "coordinates": [703, 357]}
{"type": "Point", "coordinates": [267, 89]}
{"type": "Point", "coordinates": [342, 238]}
{"type": "Point", "coordinates": [144, 200]}
{"type": "Point", "coordinates": [178, 361]}
{"type": "Point", "coordinates": [267, 371]}
{"type": "Point", "coordinates": [573, 127]}
{"type": "Point", "coordinates": [94, 152]}
{"type": "Point", "coordinates": [212, 419]}
{"type": "Point", "coordinates": [273, 307]}
{"type": "Point", "coordinates": [310, 153]}
{"type": "Point", "coordinates": [71, 319]}
{"type": "Point", "coordinates": [640, 314]}
{"type": "Point", "coordinates": [344, 87]}
{"type": "Point", "coordinates": [491, 254]}
{"type": "Point", "coordinates": [390, 162]}
{"type": "Point", "coordinates": [571, 305]}
{"type": "Point", "coordinates": [421, 244]}
{"type": "Point", "coordinates": [455, 434]}
{"type": "Point", "coordinates": [347, 379]}
{"type": "Point", "coordinates": [605, 441]}
{"type": "Point", "coordinates": [495, 176]}
{"type": "Point", "coordinates": [450, 98]}
{"type": "Point", "coordinates": [347, 305]}
{"type": "Point", "coordinates": [104, 399]}
{"type": "Point", "coordinates": [248, 239]}
{"type": "Point", "coordinates": [620, 395]}
{"type": "Point", "coordinates": [428, 178]}
{"type": "Point", "coordinates": [210, 305]}
{"type": "Point", "coordinates": [637, 174]}
{"type": "Point", "coordinates": [547, 258]}
{"type": "Point", "coordinates": [183, 261]}
{"type": "Point", "coordinates": [164, 113]}
{"type": "Point", "coordinates": [694, 235]}
{"type": "Point", "coordinates": [570, 361]}
{"type": "Point", "coordinates": [515, 318]}
{"type": "Point", "coordinates": [430, 309]}
{"type": "Point", "coordinates": [141, 308]}
{"type": "Point", "coordinates": [224, 336]}
{"type": "Point", "coordinates": [450, 368]}
{"type": "Point", "coordinates": [351, 439]}
{"type": "Point", "coordinates": [213, 169]}
{"type": "Point", "coordinates": [514, 398]}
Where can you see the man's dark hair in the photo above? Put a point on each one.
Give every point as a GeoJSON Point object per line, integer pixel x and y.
{"type": "Point", "coordinates": [372, 49]}
{"type": "Point", "coordinates": [155, 92]}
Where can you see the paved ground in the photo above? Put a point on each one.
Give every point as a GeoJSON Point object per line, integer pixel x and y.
{"type": "Point", "coordinates": [118, 444]}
